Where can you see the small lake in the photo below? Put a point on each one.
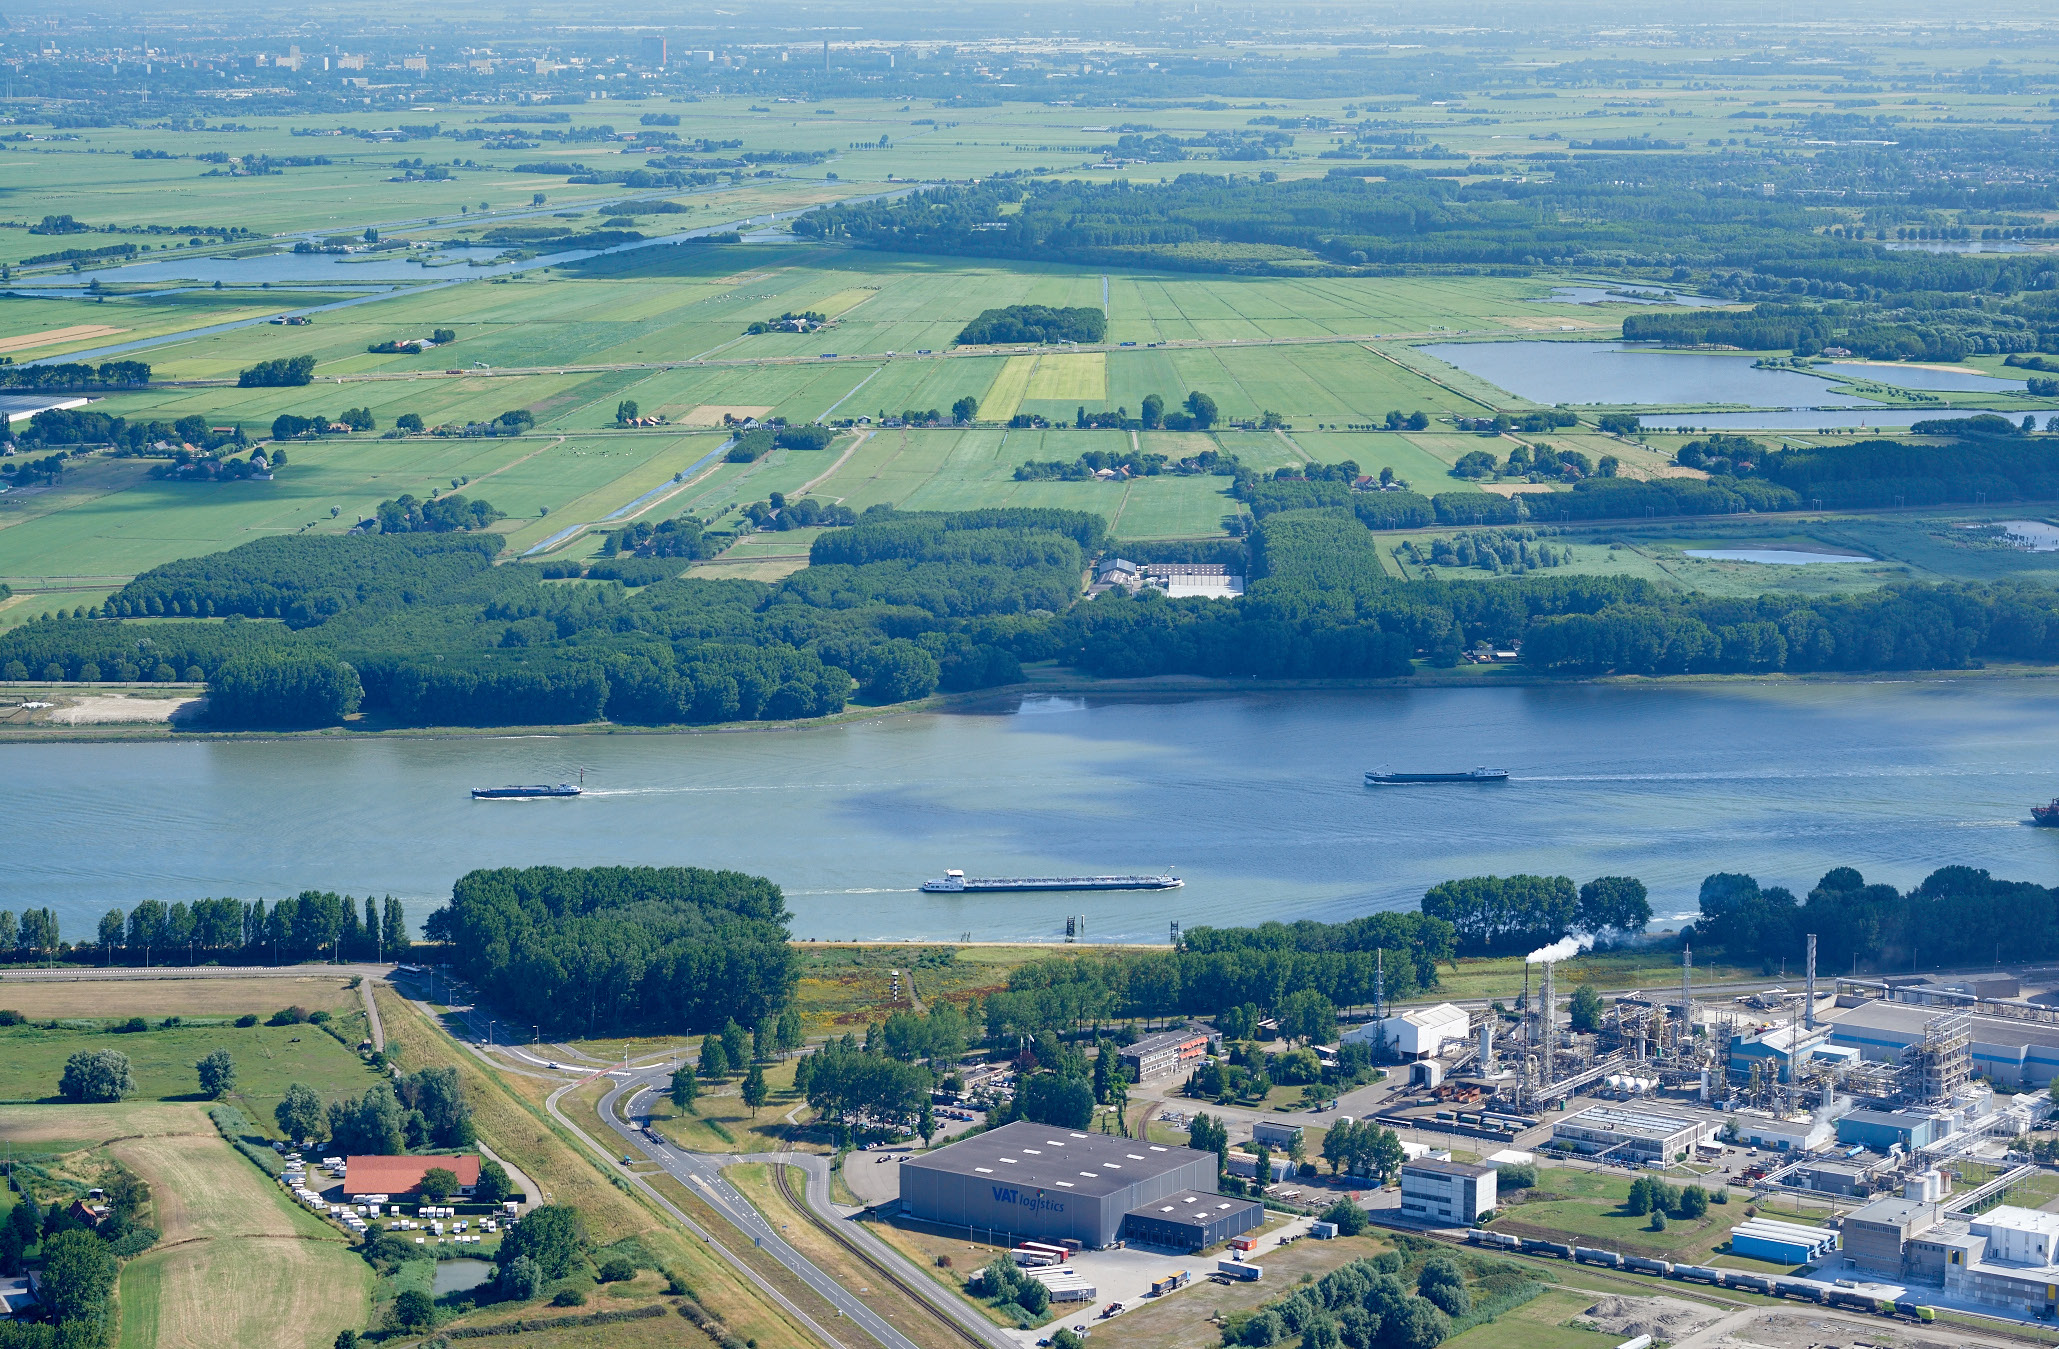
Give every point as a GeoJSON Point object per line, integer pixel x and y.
{"type": "Point", "coordinates": [1925, 377]}
{"type": "Point", "coordinates": [1955, 246]}
{"type": "Point", "coordinates": [1778, 557]}
{"type": "Point", "coordinates": [1872, 418]}
{"type": "Point", "coordinates": [458, 1276]}
{"type": "Point", "coordinates": [1610, 372]}
{"type": "Point", "coordinates": [2036, 536]}
{"type": "Point", "coordinates": [1608, 295]}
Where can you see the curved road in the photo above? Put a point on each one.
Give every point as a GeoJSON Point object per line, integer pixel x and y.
{"type": "Point", "coordinates": [703, 1175]}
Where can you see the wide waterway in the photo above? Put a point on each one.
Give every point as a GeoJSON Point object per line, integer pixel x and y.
{"type": "Point", "coordinates": [1257, 799]}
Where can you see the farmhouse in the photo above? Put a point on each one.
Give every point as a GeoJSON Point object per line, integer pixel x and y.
{"type": "Point", "coordinates": [395, 1176]}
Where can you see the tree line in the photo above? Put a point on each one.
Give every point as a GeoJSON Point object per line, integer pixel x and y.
{"type": "Point", "coordinates": [1492, 915]}
{"type": "Point", "coordinates": [1219, 969]}
{"type": "Point", "coordinates": [310, 925]}
{"type": "Point", "coordinates": [1957, 915]}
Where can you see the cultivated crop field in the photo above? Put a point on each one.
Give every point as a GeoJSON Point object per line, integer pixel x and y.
{"type": "Point", "coordinates": [238, 1264]}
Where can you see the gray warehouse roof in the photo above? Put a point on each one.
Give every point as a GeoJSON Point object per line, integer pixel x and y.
{"type": "Point", "coordinates": [1908, 1019]}
{"type": "Point", "coordinates": [1432, 1165]}
{"type": "Point", "coordinates": [1191, 1206]}
{"type": "Point", "coordinates": [1042, 1157]}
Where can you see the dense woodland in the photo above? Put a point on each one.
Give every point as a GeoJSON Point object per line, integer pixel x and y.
{"type": "Point", "coordinates": [1958, 916]}
{"type": "Point", "coordinates": [611, 950]}
{"type": "Point", "coordinates": [425, 629]}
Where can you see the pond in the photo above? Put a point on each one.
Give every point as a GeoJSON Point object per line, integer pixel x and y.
{"type": "Point", "coordinates": [1955, 246]}
{"type": "Point", "coordinates": [1610, 295]}
{"type": "Point", "coordinates": [1874, 418]}
{"type": "Point", "coordinates": [1925, 377]}
{"type": "Point", "coordinates": [1610, 372]}
{"type": "Point", "coordinates": [2036, 536]}
{"type": "Point", "coordinates": [458, 1276]}
{"type": "Point", "coordinates": [1778, 557]}
{"type": "Point", "coordinates": [1547, 371]}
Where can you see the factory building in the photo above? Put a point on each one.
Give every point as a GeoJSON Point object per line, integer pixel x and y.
{"type": "Point", "coordinates": [1156, 1055]}
{"type": "Point", "coordinates": [2007, 1257]}
{"type": "Point", "coordinates": [1419, 1032]}
{"type": "Point", "coordinates": [1884, 1129]}
{"type": "Point", "coordinates": [1633, 1133]}
{"type": "Point", "coordinates": [1874, 1236]}
{"type": "Point", "coordinates": [1452, 1192]}
{"type": "Point", "coordinates": [2005, 1049]}
{"type": "Point", "coordinates": [1026, 1180]}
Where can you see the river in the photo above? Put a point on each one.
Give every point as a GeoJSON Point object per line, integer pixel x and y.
{"type": "Point", "coordinates": [1256, 799]}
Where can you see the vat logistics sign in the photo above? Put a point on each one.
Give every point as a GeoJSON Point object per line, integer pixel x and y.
{"type": "Point", "coordinates": [1004, 1194]}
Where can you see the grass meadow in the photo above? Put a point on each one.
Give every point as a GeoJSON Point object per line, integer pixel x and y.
{"type": "Point", "coordinates": [268, 1059]}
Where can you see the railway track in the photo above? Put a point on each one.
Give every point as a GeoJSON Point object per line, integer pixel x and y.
{"type": "Point", "coordinates": [870, 1261]}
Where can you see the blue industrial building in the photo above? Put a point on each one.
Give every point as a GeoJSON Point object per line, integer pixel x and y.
{"type": "Point", "coordinates": [1781, 1243]}
{"type": "Point", "coordinates": [1884, 1129]}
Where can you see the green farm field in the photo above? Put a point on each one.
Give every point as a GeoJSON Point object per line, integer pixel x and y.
{"type": "Point", "coordinates": [92, 174]}
{"type": "Point", "coordinates": [114, 520]}
{"type": "Point", "coordinates": [268, 1060]}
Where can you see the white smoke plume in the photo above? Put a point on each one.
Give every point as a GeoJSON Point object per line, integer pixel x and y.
{"type": "Point", "coordinates": [1563, 949]}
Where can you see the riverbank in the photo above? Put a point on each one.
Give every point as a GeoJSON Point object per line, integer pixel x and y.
{"type": "Point", "coordinates": [1043, 680]}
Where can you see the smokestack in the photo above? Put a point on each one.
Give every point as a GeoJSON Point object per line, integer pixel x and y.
{"type": "Point", "coordinates": [1487, 1045]}
{"type": "Point", "coordinates": [1809, 1007]}
{"type": "Point", "coordinates": [1686, 995]}
{"type": "Point", "coordinates": [1551, 1027]}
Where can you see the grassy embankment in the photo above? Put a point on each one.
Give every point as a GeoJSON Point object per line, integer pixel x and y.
{"type": "Point", "coordinates": [508, 1109]}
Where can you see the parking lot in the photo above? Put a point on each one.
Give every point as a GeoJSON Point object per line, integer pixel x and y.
{"type": "Point", "coordinates": [1126, 1274]}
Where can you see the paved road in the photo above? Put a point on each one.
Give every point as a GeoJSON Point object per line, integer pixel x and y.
{"type": "Point", "coordinates": [703, 1176]}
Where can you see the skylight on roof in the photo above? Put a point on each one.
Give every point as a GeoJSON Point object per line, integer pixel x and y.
{"type": "Point", "coordinates": [984, 1170]}
{"type": "Point", "coordinates": [1066, 1183]}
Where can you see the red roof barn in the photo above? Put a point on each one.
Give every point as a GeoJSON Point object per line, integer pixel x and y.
{"type": "Point", "coordinates": [397, 1176]}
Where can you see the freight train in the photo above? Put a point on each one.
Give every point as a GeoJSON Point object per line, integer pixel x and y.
{"type": "Point", "coordinates": [1742, 1281]}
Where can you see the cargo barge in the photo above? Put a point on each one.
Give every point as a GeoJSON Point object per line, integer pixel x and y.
{"type": "Point", "coordinates": [957, 882]}
{"type": "Point", "coordinates": [523, 793]}
{"type": "Point", "coordinates": [1380, 777]}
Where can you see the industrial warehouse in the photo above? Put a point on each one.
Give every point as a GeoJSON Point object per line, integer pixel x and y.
{"type": "Point", "coordinates": [1026, 1180]}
